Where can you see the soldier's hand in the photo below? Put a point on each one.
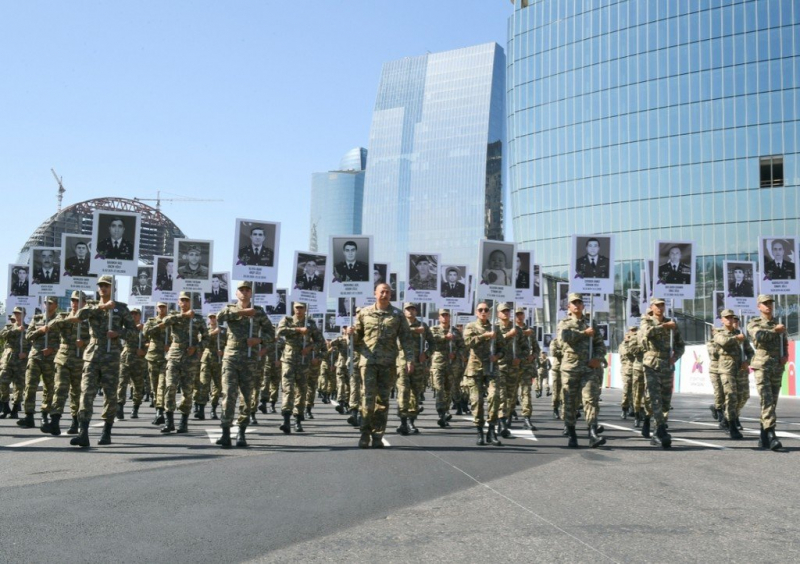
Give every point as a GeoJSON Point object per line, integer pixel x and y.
{"type": "Point", "coordinates": [247, 312]}
{"type": "Point", "coordinates": [23, 356]}
{"type": "Point", "coordinates": [494, 358]}
{"type": "Point", "coordinates": [512, 333]}
{"type": "Point", "coordinates": [515, 362]}
{"type": "Point", "coordinates": [47, 352]}
{"type": "Point", "coordinates": [594, 363]}
{"type": "Point", "coordinates": [253, 341]}
{"type": "Point", "coordinates": [780, 328]}
{"type": "Point", "coordinates": [140, 326]}
{"type": "Point", "coordinates": [350, 330]}
{"type": "Point", "coordinates": [108, 305]}
{"type": "Point", "coordinates": [262, 352]}
{"type": "Point", "coordinates": [669, 325]}
{"type": "Point", "coordinates": [489, 334]}
{"type": "Point", "coordinates": [277, 364]}
{"type": "Point", "coordinates": [112, 334]}
{"type": "Point", "coordinates": [589, 332]}
{"type": "Point", "coordinates": [746, 366]}
{"type": "Point", "coordinates": [672, 360]}
{"type": "Point", "coordinates": [301, 330]}
{"type": "Point", "coordinates": [452, 356]}
{"type": "Point", "coordinates": [449, 337]}
{"type": "Point", "coordinates": [43, 330]}
{"type": "Point", "coordinates": [191, 350]}
{"type": "Point", "coordinates": [422, 358]}
{"type": "Point", "coordinates": [528, 332]}
{"type": "Point", "coordinates": [141, 352]}
{"type": "Point", "coordinates": [213, 332]}
{"type": "Point", "coordinates": [739, 337]}
{"type": "Point", "coordinates": [166, 348]}
{"type": "Point", "coordinates": [409, 367]}
{"type": "Point", "coordinates": [315, 361]}
{"type": "Point", "coordinates": [418, 330]}
{"type": "Point", "coordinates": [307, 350]}
{"type": "Point", "coordinates": [80, 343]}
{"type": "Point", "coordinates": [188, 313]}
{"type": "Point", "coordinates": [784, 360]}
{"type": "Point", "coordinates": [530, 358]}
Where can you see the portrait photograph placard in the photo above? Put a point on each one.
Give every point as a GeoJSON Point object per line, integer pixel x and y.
{"type": "Point", "coordinates": [115, 242]}
{"type": "Point", "coordinates": [602, 328]}
{"type": "Point", "coordinates": [422, 273]}
{"type": "Point", "coordinates": [496, 268]}
{"type": "Point", "coordinates": [739, 283]}
{"type": "Point", "coordinates": [674, 270]}
{"type": "Point", "coordinates": [592, 264]}
{"type": "Point", "coordinates": [330, 329]}
{"type": "Point", "coordinates": [523, 278]}
{"type": "Point", "coordinates": [380, 275]}
{"type": "Point", "coordinates": [538, 300]}
{"type": "Point", "coordinates": [28, 303]}
{"type": "Point", "coordinates": [277, 309]}
{"type": "Point", "coordinates": [255, 253]}
{"type": "Point", "coordinates": [344, 308]}
{"type": "Point", "coordinates": [142, 287]}
{"type": "Point", "coordinates": [563, 305]}
{"type": "Point", "coordinates": [309, 281]}
{"type": "Point", "coordinates": [718, 302]}
{"type": "Point", "coordinates": [76, 251]}
{"type": "Point", "coordinates": [263, 294]}
{"type": "Point", "coordinates": [45, 268]}
{"type": "Point", "coordinates": [777, 257]}
{"type": "Point", "coordinates": [547, 338]}
{"type": "Point", "coordinates": [19, 280]}
{"type": "Point", "coordinates": [165, 288]}
{"type": "Point", "coordinates": [349, 267]}
{"type": "Point", "coordinates": [453, 287]}
{"type": "Point", "coordinates": [634, 307]}
{"type": "Point", "coordinates": [194, 258]}
{"type": "Point", "coordinates": [220, 294]}
{"type": "Point", "coordinates": [595, 303]}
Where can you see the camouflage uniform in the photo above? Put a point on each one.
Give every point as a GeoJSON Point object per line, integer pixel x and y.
{"type": "Point", "coordinates": [713, 374]}
{"type": "Point", "coordinates": [377, 335]}
{"type": "Point", "coordinates": [69, 364]}
{"type": "Point", "coordinates": [443, 367]}
{"type": "Point", "coordinates": [132, 367]}
{"type": "Point", "coordinates": [542, 374]}
{"type": "Point", "coordinates": [263, 354]}
{"type": "Point", "coordinates": [183, 360]}
{"type": "Point", "coordinates": [627, 358]}
{"type": "Point", "coordinates": [295, 373]}
{"type": "Point", "coordinates": [577, 379]}
{"type": "Point", "coordinates": [411, 386]}
{"type": "Point", "coordinates": [531, 370]}
{"type": "Point", "coordinates": [768, 368]}
{"type": "Point", "coordinates": [732, 355]}
{"type": "Point", "coordinates": [555, 368]}
{"type": "Point", "coordinates": [40, 366]}
{"type": "Point", "coordinates": [659, 373]}
{"type": "Point", "coordinates": [12, 367]}
{"type": "Point", "coordinates": [510, 375]}
{"type": "Point", "coordinates": [158, 338]}
{"type": "Point", "coordinates": [481, 373]}
{"type": "Point", "coordinates": [637, 369]}
{"type": "Point", "coordinates": [315, 374]}
{"type": "Point", "coordinates": [211, 370]}
{"type": "Point", "coordinates": [342, 348]}
{"type": "Point", "coordinates": [272, 374]}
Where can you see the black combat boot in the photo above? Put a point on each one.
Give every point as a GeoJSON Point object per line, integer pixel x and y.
{"type": "Point", "coordinates": [738, 424]}
{"type": "Point", "coordinates": [573, 437]}
{"type": "Point", "coordinates": [565, 431]}
{"type": "Point", "coordinates": [661, 437]}
{"type": "Point", "coordinates": [600, 429]}
{"type": "Point", "coordinates": [82, 440]}
{"type": "Point", "coordinates": [491, 435]}
{"type": "Point", "coordinates": [403, 428]}
{"type": "Point", "coordinates": [298, 422]}
{"type": "Point", "coordinates": [549, 393]}
{"type": "Point", "coordinates": [353, 419]}
{"type": "Point", "coordinates": [502, 424]}
{"type": "Point", "coordinates": [624, 414]}
{"type": "Point", "coordinates": [458, 408]}
{"type": "Point", "coordinates": [340, 408]}
{"type": "Point", "coordinates": [183, 426]}
{"type": "Point", "coordinates": [55, 424]}
{"type": "Point", "coordinates": [15, 409]}
{"type": "Point", "coordinates": [73, 428]}
{"type": "Point", "coordinates": [734, 433]}
{"type": "Point", "coordinates": [272, 407]}
{"type": "Point", "coordinates": [774, 443]}
{"type": "Point", "coordinates": [646, 428]}
{"type": "Point", "coordinates": [135, 412]}
{"type": "Point", "coordinates": [159, 418]}
{"type": "Point", "coordinates": [442, 421]}
{"type": "Point", "coordinates": [538, 393]}
{"type": "Point", "coordinates": [105, 436]}
{"type": "Point", "coordinates": [121, 411]}
{"type": "Point", "coordinates": [411, 426]}
{"type": "Point", "coordinates": [201, 412]}
{"type": "Point", "coordinates": [169, 425]}
{"type": "Point", "coordinates": [529, 424]}
{"type": "Point", "coordinates": [723, 423]}
{"type": "Point", "coordinates": [638, 421]}
{"type": "Point", "coordinates": [6, 409]}
{"type": "Point", "coordinates": [595, 440]}
{"type": "Point", "coordinates": [225, 440]}
{"type": "Point", "coordinates": [308, 412]}
{"type": "Point", "coordinates": [241, 442]}
{"type": "Point", "coordinates": [45, 426]}
{"type": "Point", "coordinates": [714, 412]}
{"type": "Point", "coordinates": [287, 423]}
{"type": "Point", "coordinates": [214, 415]}
{"type": "Point", "coordinates": [467, 408]}
{"type": "Point", "coordinates": [363, 442]}
{"type": "Point", "coordinates": [262, 407]}
{"type": "Point", "coordinates": [481, 441]}
{"type": "Point", "coordinates": [27, 422]}
{"type": "Point", "coordinates": [377, 441]}
{"type": "Point", "coordinates": [556, 416]}
{"type": "Point", "coordinates": [253, 420]}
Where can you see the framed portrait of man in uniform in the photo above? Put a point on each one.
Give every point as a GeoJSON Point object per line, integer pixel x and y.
{"type": "Point", "coordinates": [18, 279]}
{"type": "Point", "coordinates": [496, 268]}
{"type": "Point", "coordinates": [255, 253]}
{"type": "Point", "coordinates": [77, 254]}
{"type": "Point", "coordinates": [592, 264]}
{"type": "Point", "coordinates": [740, 286]}
{"type": "Point", "coordinates": [674, 270]}
{"type": "Point", "coordinates": [453, 286]}
{"type": "Point", "coordinates": [115, 242]}
{"type": "Point", "coordinates": [142, 286]}
{"type": "Point", "coordinates": [523, 278]}
{"type": "Point", "coordinates": [423, 277]}
{"type": "Point", "coordinates": [330, 329]}
{"type": "Point", "coordinates": [777, 257]}
{"type": "Point", "coordinates": [634, 307]}
{"type": "Point", "coordinates": [547, 338]}
{"type": "Point", "coordinates": [718, 303]}
{"type": "Point", "coordinates": [45, 268]}
{"type": "Point", "coordinates": [562, 292]}
{"type": "Point", "coordinates": [538, 300]}
{"type": "Point", "coordinates": [309, 281]}
{"type": "Point", "coordinates": [602, 328]}
{"type": "Point", "coordinates": [380, 275]}
{"type": "Point", "coordinates": [193, 262]}
{"type": "Point", "coordinates": [350, 269]}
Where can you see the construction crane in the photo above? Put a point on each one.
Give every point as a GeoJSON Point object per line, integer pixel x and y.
{"type": "Point", "coordinates": [158, 199]}
{"type": "Point", "coordinates": [61, 189]}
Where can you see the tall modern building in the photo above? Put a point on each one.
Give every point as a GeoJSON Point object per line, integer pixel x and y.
{"type": "Point", "coordinates": [336, 198]}
{"type": "Point", "coordinates": [435, 176]}
{"type": "Point", "coordinates": [654, 120]}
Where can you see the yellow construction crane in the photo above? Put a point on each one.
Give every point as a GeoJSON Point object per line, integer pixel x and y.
{"type": "Point", "coordinates": [158, 199]}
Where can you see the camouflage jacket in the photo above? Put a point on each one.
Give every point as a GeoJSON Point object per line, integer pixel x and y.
{"type": "Point", "coordinates": [655, 341]}
{"type": "Point", "coordinates": [767, 342]}
{"type": "Point", "coordinates": [732, 353]}
{"type": "Point", "coordinates": [379, 332]}
{"type": "Point", "coordinates": [121, 323]}
{"type": "Point", "coordinates": [37, 341]}
{"type": "Point", "coordinates": [240, 328]}
{"type": "Point", "coordinates": [635, 349]}
{"type": "Point", "coordinates": [214, 344]}
{"type": "Point", "coordinates": [516, 346]}
{"type": "Point", "coordinates": [295, 342]}
{"type": "Point", "coordinates": [341, 345]}
{"type": "Point", "coordinates": [186, 332]}
{"type": "Point", "coordinates": [419, 343]}
{"type": "Point", "coordinates": [575, 345]}
{"type": "Point", "coordinates": [557, 354]}
{"type": "Point", "coordinates": [442, 348]}
{"type": "Point", "coordinates": [14, 345]}
{"type": "Point", "coordinates": [67, 332]}
{"type": "Point", "coordinates": [713, 353]}
{"type": "Point", "coordinates": [480, 348]}
{"type": "Point", "coordinates": [157, 335]}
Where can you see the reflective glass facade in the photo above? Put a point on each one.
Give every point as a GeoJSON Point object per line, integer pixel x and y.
{"type": "Point", "coordinates": [336, 200]}
{"type": "Point", "coordinates": [650, 119]}
{"type": "Point", "coordinates": [434, 182]}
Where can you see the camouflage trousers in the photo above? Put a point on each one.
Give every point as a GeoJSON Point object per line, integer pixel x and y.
{"type": "Point", "coordinates": [730, 387]}
{"type": "Point", "coordinates": [557, 395]}
{"type": "Point", "coordinates": [658, 393]}
{"type": "Point", "coordinates": [101, 373]}
{"type": "Point", "coordinates": [237, 381]}
{"type": "Point", "coordinates": [272, 382]}
{"type": "Point", "coordinates": [39, 369]}
{"type": "Point", "coordinates": [479, 386]}
{"type": "Point", "coordinates": [157, 372]}
{"type": "Point", "coordinates": [768, 382]}
{"type": "Point", "coordinates": [258, 383]}
{"type": "Point", "coordinates": [12, 373]}
{"type": "Point", "coordinates": [525, 384]}
{"type": "Point", "coordinates": [638, 389]}
{"type": "Point", "coordinates": [378, 381]}
{"type": "Point", "coordinates": [577, 386]}
{"type": "Point", "coordinates": [210, 382]}
{"type": "Point", "coordinates": [409, 387]}
{"type": "Point", "coordinates": [312, 385]}
{"type": "Point", "coordinates": [443, 376]}
{"type": "Point", "coordinates": [342, 384]}
{"type": "Point", "coordinates": [513, 376]}
{"type": "Point", "coordinates": [294, 384]}
{"type": "Point", "coordinates": [719, 393]}
{"type": "Point", "coordinates": [131, 371]}
{"type": "Point", "coordinates": [743, 381]}
{"type": "Point", "coordinates": [180, 372]}
{"type": "Point", "coordinates": [68, 383]}
{"type": "Point", "coordinates": [355, 385]}
{"type": "Point", "coordinates": [627, 386]}
{"type": "Point", "coordinates": [460, 390]}
{"type": "Point", "coordinates": [541, 380]}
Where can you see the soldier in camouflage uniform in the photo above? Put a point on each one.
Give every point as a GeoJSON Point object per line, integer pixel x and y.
{"type": "Point", "coordinates": [158, 339]}
{"type": "Point", "coordinates": [244, 320]}
{"type": "Point", "coordinates": [262, 351]}
{"type": "Point", "coordinates": [659, 369]}
{"type": "Point", "coordinates": [342, 347]}
{"type": "Point", "coordinates": [448, 345]}
{"type": "Point", "coordinates": [272, 376]}
{"type": "Point", "coordinates": [732, 358]}
{"type": "Point", "coordinates": [508, 372]}
{"type": "Point", "coordinates": [635, 348]}
{"type": "Point", "coordinates": [327, 375]}
{"type": "Point", "coordinates": [109, 321]}
{"type": "Point", "coordinates": [69, 365]}
{"type": "Point", "coordinates": [378, 330]}
{"type": "Point", "coordinates": [771, 354]}
{"type": "Point", "coordinates": [486, 347]}
{"type": "Point", "coordinates": [528, 368]}
{"type": "Point", "coordinates": [460, 392]}
{"type": "Point", "coordinates": [132, 367]}
{"type": "Point", "coordinates": [583, 353]}
{"type": "Point", "coordinates": [188, 333]}
{"type": "Point", "coordinates": [211, 369]}
{"type": "Point", "coordinates": [411, 385]}
{"type": "Point", "coordinates": [626, 358]}
{"type": "Point", "coordinates": [12, 364]}
{"type": "Point", "coordinates": [318, 354]}
{"type": "Point", "coordinates": [555, 368]}
{"type": "Point", "coordinates": [718, 407]}
{"type": "Point", "coordinates": [743, 378]}
{"type": "Point", "coordinates": [542, 375]}
{"type": "Point", "coordinates": [302, 337]}
{"type": "Point", "coordinates": [40, 365]}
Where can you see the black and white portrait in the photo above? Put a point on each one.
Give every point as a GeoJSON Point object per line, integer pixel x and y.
{"type": "Point", "coordinates": [76, 250]}
{"type": "Point", "coordinates": [718, 303]}
{"type": "Point", "coordinates": [46, 266]}
{"type": "Point", "coordinates": [194, 259]}
{"type": "Point", "coordinates": [255, 253]}
{"type": "Point", "coordinates": [602, 329]}
{"type": "Point", "coordinates": [309, 272]}
{"type": "Point", "coordinates": [279, 307]}
{"type": "Point", "coordinates": [380, 273]}
{"type": "Point", "coordinates": [165, 273]}
{"type": "Point", "coordinates": [563, 294]}
{"type": "Point", "coordinates": [422, 270]}
{"type": "Point", "coordinates": [393, 285]}
{"type": "Point", "coordinates": [344, 306]}
{"type": "Point", "coordinates": [18, 280]}
{"type": "Point", "coordinates": [454, 281]}
{"type": "Point", "coordinates": [777, 257]}
{"type": "Point", "coordinates": [220, 289]}
{"type": "Point", "coordinates": [740, 279]}
{"type": "Point", "coordinates": [350, 258]}
{"type": "Point", "coordinates": [592, 264]}
{"type": "Point", "coordinates": [116, 236]}
{"type": "Point", "coordinates": [142, 283]}
{"type": "Point", "coordinates": [674, 270]}
{"type": "Point", "coordinates": [330, 325]}
{"type": "Point", "coordinates": [634, 304]}
{"type": "Point", "coordinates": [547, 339]}
{"type": "Point", "coordinates": [496, 263]}
{"type": "Point", "coordinates": [522, 271]}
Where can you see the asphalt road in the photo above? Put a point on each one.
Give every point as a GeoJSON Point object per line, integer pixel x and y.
{"type": "Point", "coordinates": [316, 497]}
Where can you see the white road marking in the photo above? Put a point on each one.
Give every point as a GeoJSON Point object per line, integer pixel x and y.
{"type": "Point", "coordinates": [527, 435]}
{"type": "Point", "coordinates": [31, 442]}
{"type": "Point", "coordinates": [385, 442]}
{"type": "Point", "coordinates": [674, 438]}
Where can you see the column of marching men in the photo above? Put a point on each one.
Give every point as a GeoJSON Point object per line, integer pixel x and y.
{"type": "Point", "coordinates": [485, 370]}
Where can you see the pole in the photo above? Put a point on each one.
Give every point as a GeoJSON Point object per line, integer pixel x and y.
{"type": "Point", "coordinates": [780, 320]}
{"type": "Point", "coordinates": [591, 323]}
{"type": "Point", "coordinates": [250, 336]}
{"type": "Point", "coordinates": [351, 338]}
{"type": "Point", "coordinates": [671, 331]}
{"type": "Point", "coordinates": [491, 345]}
{"type": "Point", "coordinates": [305, 326]}
{"type": "Point", "coordinates": [110, 315]}
{"type": "Point", "coordinates": [218, 344]}
{"type": "Point", "coordinates": [421, 337]}
{"type": "Point", "coordinates": [452, 332]}
{"type": "Point", "coordinates": [45, 320]}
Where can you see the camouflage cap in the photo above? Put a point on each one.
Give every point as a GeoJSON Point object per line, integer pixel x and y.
{"type": "Point", "coordinates": [409, 305]}
{"type": "Point", "coordinates": [503, 306]}
{"type": "Point", "coordinates": [136, 310]}
{"type": "Point", "coordinates": [77, 295]}
{"type": "Point", "coordinates": [727, 313]}
{"type": "Point", "coordinates": [519, 310]}
{"type": "Point", "coordinates": [453, 269]}
{"type": "Point", "coordinates": [184, 296]}
{"type": "Point", "coordinates": [574, 297]}
{"type": "Point", "coordinates": [18, 310]}
{"type": "Point", "coordinates": [51, 300]}
{"type": "Point", "coordinates": [300, 305]}
{"type": "Point", "coordinates": [193, 248]}
{"type": "Point", "coordinates": [656, 301]}
{"type": "Point", "coordinates": [444, 311]}
{"type": "Point", "coordinates": [244, 284]}
{"type": "Point", "coordinates": [764, 298]}
{"type": "Point", "coordinates": [211, 314]}
{"type": "Point", "coordinates": [105, 279]}
{"type": "Point", "coordinates": [161, 304]}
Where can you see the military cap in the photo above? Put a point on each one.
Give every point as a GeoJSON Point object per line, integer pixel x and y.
{"type": "Point", "coordinates": [408, 305]}
{"type": "Point", "coordinates": [136, 310]}
{"type": "Point", "coordinates": [633, 328]}
{"type": "Point", "coordinates": [422, 258]}
{"type": "Point", "coordinates": [452, 269]}
{"type": "Point", "coordinates": [161, 304]}
{"type": "Point", "coordinates": [764, 298]}
{"type": "Point", "coordinates": [105, 279]}
{"type": "Point", "coordinates": [194, 248]}
{"type": "Point", "coordinates": [76, 295]}
{"type": "Point", "coordinates": [51, 300]}
{"type": "Point", "coordinates": [726, 313]}
{"type": "Point", "coordinates": [574, 297]}
{"type": "Point", "coordinates": [503, 306]}
{"type": "Point", "coordinates": [184, 296]}
{"type": "Point", "coordinates": [519, 310]}
{"type": "Point", "coordinates": [656, 301]}
{"type": "Point", "coordinates": [18, 310]}
{"type": "Point", "coordinates": [444, 311]}
{"type": "Point", "coordinates": [299, 305]}
{"type": "Point", "coordinates": [211, 314]}
{"type": "Point", "coordinates": [244, 284]}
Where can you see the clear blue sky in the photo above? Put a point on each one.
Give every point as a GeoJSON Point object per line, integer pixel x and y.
{"type": "Point", "coordinates": [238, 100]}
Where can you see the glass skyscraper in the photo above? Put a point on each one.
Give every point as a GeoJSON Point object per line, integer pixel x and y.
{"type": "Point", "coordinates": [336, 199]}
{"type": "Point", "coordinates": [434, 182]}
{"type": "Point", "coordinates": [654, 119]}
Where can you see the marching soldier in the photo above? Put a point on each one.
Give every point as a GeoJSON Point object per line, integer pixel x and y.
{"type": "Point", "coordinates": [635, 348]}
{"type": "Point", "coordinates": [447, 346]}
{"type": "Point", "coordinates": [743, 378]}
{"type": "Point", "coordinates": [318, 354]}
{"type": "Point", "coordinates": [12, 364]}
{"type": "Point", "coordinates": [40, 365]}
{"type": "Point", "coordinates": [718, 407]}
{"type": "Point", "coordinates": [555, 368]}
{"type": "Point", "coordinates": [583, 351]}
{"type": "Point", "coordinates": [542, 373]}
{"type": "Point", "coordinates": [732, 359]}
{"type": "Point", "coordinates": [158, 337]}
{"type": "Point", "coordinates": [211, 369]}
{"type": "Point", "coordinates": [272, 376]}
{"type": "Point", "coordinates": [528, 368]}
{"type": "Point", "coordinates": [132, 367]}
{"type": "Point", "coordinates": [341, 345]}
{"type": "Point", "coordinates": [771, 354]}
{"type": "Point", "coordinates": [411, 384]}
{"type": "Point", "coordinates": [663, 346]}
{"type": "Point", "coordinates": [508, 374]}
{"type": "Point", "coordinates": [626, 358]}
